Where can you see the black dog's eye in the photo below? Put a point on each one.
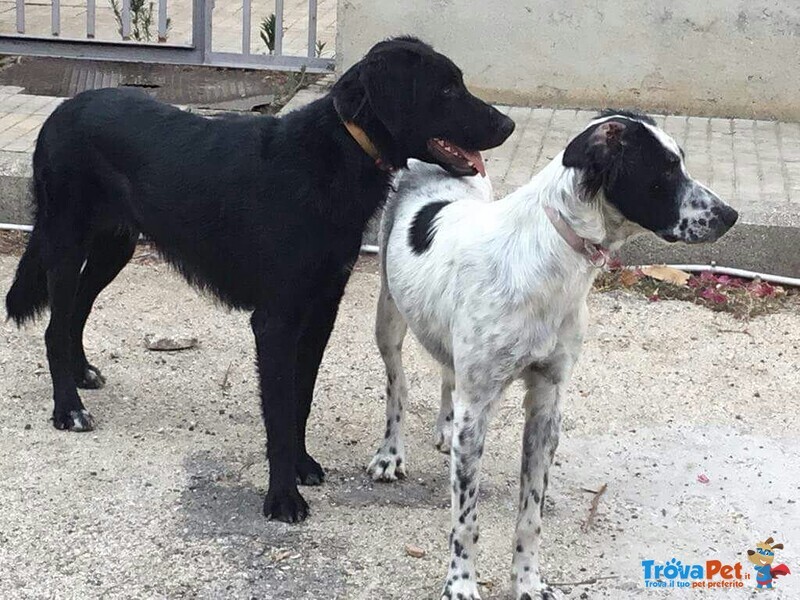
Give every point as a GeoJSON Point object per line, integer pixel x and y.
{"type": "Point", "coordinates": [449, 91]}
{"type": "Point", "coordinates": [673, 163]}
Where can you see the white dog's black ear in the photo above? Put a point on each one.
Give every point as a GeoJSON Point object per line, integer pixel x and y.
{"type": "Point", "coordinates": [595, 147]}
{"type": "Point", "coordinates": [596, 151]}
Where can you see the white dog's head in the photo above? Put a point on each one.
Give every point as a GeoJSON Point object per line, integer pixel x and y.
{"type": "Point", "coordinates": [640, 171]}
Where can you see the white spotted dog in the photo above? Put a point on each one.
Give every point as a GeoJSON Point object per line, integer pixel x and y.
{"type": "Point", "coordinates": [496, 291]}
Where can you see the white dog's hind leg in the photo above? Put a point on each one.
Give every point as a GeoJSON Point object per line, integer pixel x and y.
{"type": "Point", "coordinates": [444, 422]}
{"type": "Point", "coordinates": [540, 439]}
{"type": "Point", "coordinates": [389, 461]}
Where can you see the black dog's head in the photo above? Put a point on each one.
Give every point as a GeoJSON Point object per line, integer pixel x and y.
{"type": "Point", "coordinates": [641, 171]}
{"type": "Point", "coordinates": [412, 103]}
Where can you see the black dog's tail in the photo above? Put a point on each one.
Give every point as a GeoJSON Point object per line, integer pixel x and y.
{"type": "Point", "coordinates": [27, 297]}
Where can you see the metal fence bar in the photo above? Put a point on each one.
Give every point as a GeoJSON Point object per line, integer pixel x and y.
{"type": "Point", "coordinates": [312, 28]}
{"type": "Point", "coordinates": [90, 18]}
{"type": "Point", "coordinates": [202, 11]}
{"type": "Point", "coordinates": [246, 27]}
{"type": "Point", "coordinates": [266, 61]}
{"type": "Point", "coordinates": [172, 54]}
{"type": "Point", "coordinates": [55, 17]}
{"type": "Point", "coordinates": [126, 19]}
{"type": "Point", "coordinates": [278, 27]}
{"type": "Point", "coordinates": [20, 16]}
{"type": "Point", "coordinates": [162, 21]}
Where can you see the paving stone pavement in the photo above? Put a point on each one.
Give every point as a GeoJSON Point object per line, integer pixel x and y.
{"type": "Point", "coordinates": [226, 19]}
{"type": "Point", "coordinates": [754, 165]}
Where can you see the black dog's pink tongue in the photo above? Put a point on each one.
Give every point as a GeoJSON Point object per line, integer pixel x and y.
{"type": "Point", "coordinates": [474, 157]}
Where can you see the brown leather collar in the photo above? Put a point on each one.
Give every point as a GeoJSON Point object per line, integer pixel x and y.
{"type": "Point", "coordinates": [362, 139]}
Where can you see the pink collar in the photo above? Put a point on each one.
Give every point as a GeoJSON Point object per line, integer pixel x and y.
{"type": "Point", "coordinates": [596, 254]}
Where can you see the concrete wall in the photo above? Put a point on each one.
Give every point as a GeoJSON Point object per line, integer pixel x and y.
{"type": "Point", "coordinates": [705, 57]}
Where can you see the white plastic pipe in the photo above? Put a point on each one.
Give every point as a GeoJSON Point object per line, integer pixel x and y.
{"type": "Point", "coordinates": [13, 227]}
{"type": "Point", "coordinates": [734, 272]}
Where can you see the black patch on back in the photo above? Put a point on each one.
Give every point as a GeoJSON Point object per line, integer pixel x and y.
{"type": "Point", "coordinates": [422, 231]}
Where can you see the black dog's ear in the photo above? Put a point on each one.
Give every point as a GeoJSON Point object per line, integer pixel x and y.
{"type": "Point", "coordinates": [381, 76]}
{"type": "Point", "coordinates": [596, 152]}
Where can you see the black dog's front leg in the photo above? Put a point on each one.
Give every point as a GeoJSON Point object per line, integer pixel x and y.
{"type": "Point", "coordinates": [276, 346]}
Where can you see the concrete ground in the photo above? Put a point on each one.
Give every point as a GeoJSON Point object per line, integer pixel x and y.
{"type": "Point", "coordinates": [163, 500]}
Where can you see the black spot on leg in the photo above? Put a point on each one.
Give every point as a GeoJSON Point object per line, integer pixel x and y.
{"type": "Point", "coordinates": [397, 418]}
{"type": "Point", "coordinates": [423, 228]}
{"type": "Point", "coordinates": [536, 497]}
{"type": "Point", "coordinates": [519, 548]}
{"type": "Point", "coordinates": [458, 549]}
{"type": "Point", "coordinates": [392, 450]}
{"type": "Point", "coordinates": [465, 575]}
{"type": "Point", "coordinates": [538, 531]}
{"type": "Point", "coordinates": [475, 538]}
{"type": "Point", "coordinates": [390, 377]}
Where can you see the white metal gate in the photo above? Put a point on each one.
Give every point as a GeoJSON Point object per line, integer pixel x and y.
{"type": "Point", "coordinates": [132, 15]}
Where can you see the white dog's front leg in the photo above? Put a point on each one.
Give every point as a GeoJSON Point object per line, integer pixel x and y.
{"type": "Point", "coordinates": [470, 420]}
{"type": "Point", "coordinates": [540, 439]}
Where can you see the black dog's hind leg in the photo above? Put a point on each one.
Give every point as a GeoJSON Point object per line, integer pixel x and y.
{"type": "Point", "coordinates": [62, 285]}
{"type": "Point", "coordinates": [314, 338]}
{"type": "Point", "coordinates": [277, 339]}
{"type": "Point", "coordinates": [108, 254]}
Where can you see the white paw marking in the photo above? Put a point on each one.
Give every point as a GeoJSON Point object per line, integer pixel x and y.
{"type": "Point", "coordinates": [82, 420]}
{"type": "Point", "coordinates": [389, 463]}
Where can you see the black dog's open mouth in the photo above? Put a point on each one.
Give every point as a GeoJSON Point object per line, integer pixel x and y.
{"type": "Point", "coordinates": [455, 159]}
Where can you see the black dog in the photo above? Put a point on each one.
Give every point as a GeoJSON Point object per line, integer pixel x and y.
{"type": "Point", "coordinates": [267, 214]}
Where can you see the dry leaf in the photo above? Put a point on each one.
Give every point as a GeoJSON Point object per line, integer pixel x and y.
{"type": "Point", "coordinates": [628, 278]}
{"type": "Point", "coordinates": [414, 551]}
{"type": "Point", "coordinates": [668, 274]}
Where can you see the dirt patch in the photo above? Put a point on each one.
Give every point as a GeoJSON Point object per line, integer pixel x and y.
{"type": "Point", "coordinates": [13, 242]}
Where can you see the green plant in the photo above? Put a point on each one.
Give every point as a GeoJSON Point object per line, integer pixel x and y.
{"type": "Point", "coordinates": [268, 32]}
{"type": "Point", "coordinates": [141, 19]}
{"type": "Point", "coordinates": [320, 49]}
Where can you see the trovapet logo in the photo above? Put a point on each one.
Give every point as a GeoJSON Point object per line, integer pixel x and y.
{"type": "Point", "coordinates": [712, 574]}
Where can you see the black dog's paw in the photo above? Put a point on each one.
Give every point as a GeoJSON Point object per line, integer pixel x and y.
{"type": "Point", "coordinates": [309, 471]}
{"type": "Point", "coordinates": [74, 420]}
{"type": "Point", "coordinates": [287, 506]}
{"type": "Point", "coordinates": [90, 378]}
